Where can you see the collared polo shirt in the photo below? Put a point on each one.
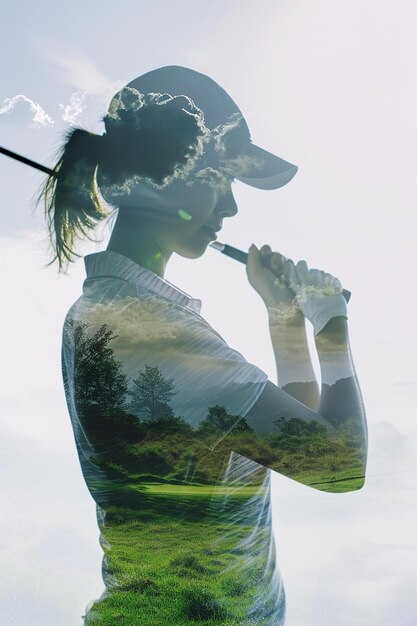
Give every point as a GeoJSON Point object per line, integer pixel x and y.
{"type": "Point", "coordinates": [157, 400]}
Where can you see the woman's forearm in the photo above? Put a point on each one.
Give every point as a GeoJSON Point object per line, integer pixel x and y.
{"type": "Point", "coordinates": [295, 373]}
{"type": "Point", "coordinates": [341, 399]}
{"type": "Point", "coordinates": [330, 427]}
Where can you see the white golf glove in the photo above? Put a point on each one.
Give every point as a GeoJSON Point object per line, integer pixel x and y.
{"type": "Point", "coordinates": [317, 293]}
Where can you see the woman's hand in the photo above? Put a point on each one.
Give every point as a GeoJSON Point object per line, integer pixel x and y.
{"type": "Point", "coordinates": [318, 294]}
{"type": "Point", "coordinates": [268, 274]}
{"type": "Point", "coordinates": [292, 291]}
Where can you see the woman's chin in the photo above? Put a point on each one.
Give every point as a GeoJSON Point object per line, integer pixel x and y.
{"type": "Point", "coordinates": [194, 251]}
{"type": "Point", "coordinates": [194, 246]}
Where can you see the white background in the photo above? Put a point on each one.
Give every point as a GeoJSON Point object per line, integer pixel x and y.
{"type": "Point", "coordinates": [326, 84]}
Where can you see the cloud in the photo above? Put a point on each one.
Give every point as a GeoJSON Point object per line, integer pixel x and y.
{"type": "Point", "coordinates": [83, 74]}
{"type": "Point", "coordinates": [135, 322]}
{"type": "Point", "coordinates": [91, 88]}
{"type": "Point", "coordinates": [39, 116]}
{"type": "Point", "coordinates": [74, 108]}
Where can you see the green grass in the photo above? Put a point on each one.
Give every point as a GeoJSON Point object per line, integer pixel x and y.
{"type": "Point", "coordinates": [169, 553]}
{"type": "Point", "coordinates": [170, 563]}
{"type": "Point", "coordinates": [172, 585]}
{"type": "Point", "coordinates": [191, 491]}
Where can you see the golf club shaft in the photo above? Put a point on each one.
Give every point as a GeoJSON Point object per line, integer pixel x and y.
{"type": "Point", "coordinates": [26, 161]}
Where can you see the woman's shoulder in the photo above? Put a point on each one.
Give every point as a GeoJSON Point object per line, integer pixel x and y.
{"type": "Point", "coordinates": [111, 297]}
{"type": "Point", "coordinates": [140, 314]}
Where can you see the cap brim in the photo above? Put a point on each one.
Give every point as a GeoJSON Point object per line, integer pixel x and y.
{"type": "Point", "coordinates": [268, 171]}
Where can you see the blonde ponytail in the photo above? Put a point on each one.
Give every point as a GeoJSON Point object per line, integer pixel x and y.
{"type": "Point", "coordinates": [71, 202]}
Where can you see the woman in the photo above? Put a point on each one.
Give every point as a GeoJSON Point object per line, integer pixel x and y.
{"type": "Point", "coordinates": [176, 432]}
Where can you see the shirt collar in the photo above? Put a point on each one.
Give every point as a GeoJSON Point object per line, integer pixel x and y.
{"type": "Point", "coordinates": [113, 264]}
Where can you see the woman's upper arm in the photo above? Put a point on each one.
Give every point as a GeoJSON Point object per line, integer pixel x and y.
{"type": "Point", "coordinates": [273, 403]}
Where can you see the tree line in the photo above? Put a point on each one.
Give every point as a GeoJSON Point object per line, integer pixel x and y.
{"type": "Point", "coordinates": [131, 417]}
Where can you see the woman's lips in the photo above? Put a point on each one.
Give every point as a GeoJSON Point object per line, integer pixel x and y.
{"type": "Point", "coordinates": [209, 232]}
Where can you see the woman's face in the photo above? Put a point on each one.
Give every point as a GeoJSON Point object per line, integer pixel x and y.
{"type": "Point", "coordinates": [189, 212]}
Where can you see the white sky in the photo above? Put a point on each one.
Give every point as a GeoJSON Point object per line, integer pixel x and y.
{"type": "Point", "coordinates": [328, 85]}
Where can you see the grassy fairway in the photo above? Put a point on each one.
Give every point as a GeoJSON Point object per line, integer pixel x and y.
{"type": "Point", "coordinates": [199, 490]}
{"type": "Point", "coordinates": [170, 561]}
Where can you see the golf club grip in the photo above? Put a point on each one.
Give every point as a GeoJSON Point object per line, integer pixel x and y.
{"type": "Point", "coordinates": [242, 257]}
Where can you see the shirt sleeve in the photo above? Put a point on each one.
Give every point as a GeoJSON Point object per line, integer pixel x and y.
{"type": "Point", "coordinates": [212, 382]}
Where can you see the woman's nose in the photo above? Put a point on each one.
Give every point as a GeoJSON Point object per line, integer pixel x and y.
{"type": "Point", "coordinates": [226, 204]}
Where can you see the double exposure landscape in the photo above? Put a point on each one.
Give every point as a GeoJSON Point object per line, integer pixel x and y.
{"type": "Point", "coordinates": [184, 512]}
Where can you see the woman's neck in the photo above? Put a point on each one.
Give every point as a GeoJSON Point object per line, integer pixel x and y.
{"type": "Point", "coordinates": [137, 240]}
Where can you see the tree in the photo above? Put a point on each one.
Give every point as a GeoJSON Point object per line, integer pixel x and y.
{"type": "Point", "coordinates": [96, 382]}
{"type": "Point", "coordinates": [151, 394]}
{"type": "Point", "coordinates": [99, 380]}
{"type": "Point", "coordinates": [300, 436]}
{"type": "Point", "coordinates": [219, 420]}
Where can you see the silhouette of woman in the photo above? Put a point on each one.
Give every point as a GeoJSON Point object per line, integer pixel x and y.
{"type": "Point", "coordinates": [176, 432]}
